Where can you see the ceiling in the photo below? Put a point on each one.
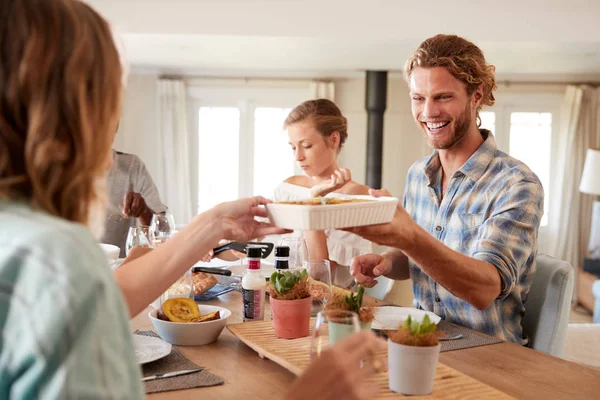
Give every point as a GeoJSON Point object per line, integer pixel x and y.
{"type": "Point", "coordinates": [532, 40]}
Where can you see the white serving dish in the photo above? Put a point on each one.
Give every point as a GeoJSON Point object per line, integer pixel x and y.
{"type": "Point", "coordinates": [333, 216]}
{"type": "Point", "coordinates": [191, 333]}
{"type": "Point", "coordinates": [111, 251]}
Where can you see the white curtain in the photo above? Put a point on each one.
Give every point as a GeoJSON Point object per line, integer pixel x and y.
{"type": "Point", "coordinates": [570, 219]}
{"type": "Point", "coordinates": [174, 162]}
{"type": "Point", "coordinates": [322, 90]}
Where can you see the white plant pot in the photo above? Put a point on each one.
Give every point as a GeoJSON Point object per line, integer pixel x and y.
{"type": "Point", "coordinates": [411, 369]}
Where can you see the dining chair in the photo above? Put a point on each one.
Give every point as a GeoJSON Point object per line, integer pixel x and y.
{"type": "Point", "coordinates": [548, 305]}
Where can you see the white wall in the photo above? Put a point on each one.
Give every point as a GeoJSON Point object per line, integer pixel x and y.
{"type": "Point", "coordinates": [137, 132]}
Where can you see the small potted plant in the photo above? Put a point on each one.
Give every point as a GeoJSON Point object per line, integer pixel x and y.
{"type": "Point", "coordinates": [413, 352]}
{"type": "Point", "coordinates": [353, 302]}
{"type": "Point", "coordinates": [290, 303]}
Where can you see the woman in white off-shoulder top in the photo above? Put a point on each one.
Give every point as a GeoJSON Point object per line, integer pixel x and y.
{"type": "Point", "coordinates": [317, 131]}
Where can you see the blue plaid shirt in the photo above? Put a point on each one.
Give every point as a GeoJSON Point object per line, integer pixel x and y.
{"type": "Point", "coordinates": [491, 211]}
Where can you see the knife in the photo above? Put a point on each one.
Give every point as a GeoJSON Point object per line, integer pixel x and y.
{"type": "Point", "coordinates": [170, 374]}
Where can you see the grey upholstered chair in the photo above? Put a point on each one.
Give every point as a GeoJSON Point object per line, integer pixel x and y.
{"type": "Point", "coordinates": [548, 305]}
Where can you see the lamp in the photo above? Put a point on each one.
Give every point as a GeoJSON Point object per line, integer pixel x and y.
{"type": "Point", "coordinates": [590, 184]}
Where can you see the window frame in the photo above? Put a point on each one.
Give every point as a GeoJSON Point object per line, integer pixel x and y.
{"type": "Point", "coordinates": [247, 98]}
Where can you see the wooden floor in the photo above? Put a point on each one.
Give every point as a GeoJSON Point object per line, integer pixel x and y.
{"type": "Point", "coordinates": [580, 315]}
{"type": "Point", "coordinates": [583, 339]}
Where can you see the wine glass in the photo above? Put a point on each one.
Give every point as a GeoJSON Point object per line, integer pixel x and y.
{"type": "Point", "coordinates": [320, 287]}
{"type": "Point", "coordinates": [139, 236]}
{"type": "Point", "coordinates": [332, 326]}
{"type": "Point", "coordinates": [298, 250]}
{"type": "Point", "coordinates": [163, 226]}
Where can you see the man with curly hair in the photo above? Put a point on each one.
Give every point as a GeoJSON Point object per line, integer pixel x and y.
{"type": "Point", "coordinates": [466, 234]}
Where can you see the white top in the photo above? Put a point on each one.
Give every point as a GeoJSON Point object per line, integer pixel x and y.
{"type": "Point", "coordinates": [341, 245]}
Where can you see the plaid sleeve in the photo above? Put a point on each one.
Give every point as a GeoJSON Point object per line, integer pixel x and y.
{"type": "Point", "coordinates": [506, 237]}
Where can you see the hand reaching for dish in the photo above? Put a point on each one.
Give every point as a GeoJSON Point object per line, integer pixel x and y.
{"type": "Point", "coordinates": [338, 179]}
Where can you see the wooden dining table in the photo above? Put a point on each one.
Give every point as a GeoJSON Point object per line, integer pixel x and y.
{"type": "Point", "coordinates": [515, 370]}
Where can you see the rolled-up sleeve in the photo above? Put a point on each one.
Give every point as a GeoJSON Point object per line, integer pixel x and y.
{"type": "Point", "coordinates": [505, 239]}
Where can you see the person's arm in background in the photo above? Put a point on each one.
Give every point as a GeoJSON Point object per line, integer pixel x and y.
{"type": "Point", "coordinates": [143, 200]}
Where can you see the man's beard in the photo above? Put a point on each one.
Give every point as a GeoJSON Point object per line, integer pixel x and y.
{"type": "Point", "coordinates": [97, 209]}
{"type": "Point", "coordinates": [463, 123]}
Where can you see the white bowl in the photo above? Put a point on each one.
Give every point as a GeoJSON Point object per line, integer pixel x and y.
{"type": "Point", "coordinates": [112, 251]}
{"type": "Point", "coordinates": [191, 333]}
{"type": "Point", "coordinates": [379, 210]}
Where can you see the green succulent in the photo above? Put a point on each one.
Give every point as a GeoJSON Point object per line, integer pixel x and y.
{"type": "Point", "coordinates": [416, 328]}
{"type": "Point", "coordinates": [355, 300]}
{"type": "Point", "coordinates": [286, 280]}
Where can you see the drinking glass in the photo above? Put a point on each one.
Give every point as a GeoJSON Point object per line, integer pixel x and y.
{"type": "Point", "coordinates": [163, 226]}
{"type": "Point", "coordinates": [182, 287]}
{"type": "Point", "coordinates": [298, 250]}
{"type": "Point", "coordinates": [321, 291]}
{"type": "Point", "coordinates": [332, 326]}
{"type": "Point", "coordinates": [139, 236]}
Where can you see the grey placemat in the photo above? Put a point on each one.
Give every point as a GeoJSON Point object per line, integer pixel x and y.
{"type": "Point", "coordinates": [175, 362]}
{"type": "Point", "coordinates": [470, 338]}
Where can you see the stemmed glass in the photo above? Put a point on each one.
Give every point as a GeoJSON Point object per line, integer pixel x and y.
{"type": "Point", "coordinates": [332, 326]}
{"type": "Point", "coordinates": [321, 291]}
{"type": "Point", "coordinates": [139, 236]}
{"type": "Point", "coordinates": [298, 250]}
{"type": "Point", "coordinates": [163, 226]}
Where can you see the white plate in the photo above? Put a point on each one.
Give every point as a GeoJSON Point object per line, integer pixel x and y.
{"type": "Point", "coordinates": [148, 349]}
{"type": "Point", "coordinates": [333, 216]}
{"type": "Point", "coordinates": [388, 317]}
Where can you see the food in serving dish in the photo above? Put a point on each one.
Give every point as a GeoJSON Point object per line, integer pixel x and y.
{"type": "Point", "coordinates": [322, 201]}
{"type": "Point", "coordinates": [191, 334]}
{"type": "Point", "coordinates": [184, 310]}
{"type": "Point", "coordinates": [203, 282]}
{"type": "Point", "coordinates": [336, 213]}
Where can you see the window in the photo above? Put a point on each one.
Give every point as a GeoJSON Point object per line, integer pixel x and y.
{"type": "Point", "coordinates": [488, 120]}
{"type": "Point", "coordinates": [526, 126]}
{"type": "Point", "coordinates": [218, 132]}
{"type": "Point", "coordinates": [271, 148]}
{"type": "Point", "coordinates": [531, 142]}
{"type": "Point", "coordinates": [239, 138]}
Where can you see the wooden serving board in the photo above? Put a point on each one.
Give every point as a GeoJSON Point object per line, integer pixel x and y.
{"type": "Point", "coordinates": [294, 355]}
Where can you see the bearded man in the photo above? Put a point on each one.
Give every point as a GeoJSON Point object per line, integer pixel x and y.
{"type": "Point", "coordinates": [466, 234]}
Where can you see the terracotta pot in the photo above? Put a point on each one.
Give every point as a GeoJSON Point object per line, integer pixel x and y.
{"type": "Point", "coordinates": [411, 369]}
{"type": "Point", "coordinates": [291, 318]}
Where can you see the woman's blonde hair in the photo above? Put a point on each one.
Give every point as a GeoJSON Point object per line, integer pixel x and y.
{"type": "Point", "coordinates": [60, 94]}
{"type": "Point", "coordinates": [326, 116]}
{"type": "Point", "coordinates": [463, 59]}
